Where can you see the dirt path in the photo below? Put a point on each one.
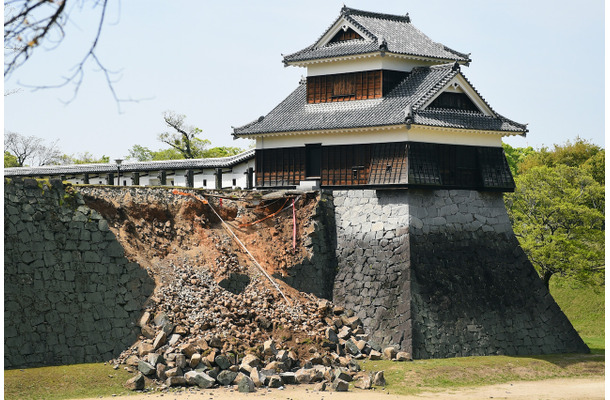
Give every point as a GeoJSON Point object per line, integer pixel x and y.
{"type": "Point", "coordinates": [552, 389]}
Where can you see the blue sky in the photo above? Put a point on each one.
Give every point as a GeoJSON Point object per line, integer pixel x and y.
{"type": "Point", "coordinates": [538, 62]}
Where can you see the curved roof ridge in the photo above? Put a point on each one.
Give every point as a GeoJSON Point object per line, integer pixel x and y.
{"type": "Point", "coordinates": [395, 32]}
{"type": "Point", "coordinates": [392, 17]}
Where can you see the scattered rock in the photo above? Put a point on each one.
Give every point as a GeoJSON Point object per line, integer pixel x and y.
{"type": "Point", "coordinates": [222, 361]}
{"type": "Point", "coordinates": [339, 385]}
{"type": "Point", "coordinates": [248, 362]}
{"type": "Point", "coordinates": [288, 378]}
{"type": "Point", "coordinates": [195, 360]}
{"type": "Point", "coordinates": [320, 387]}
{"type": "Point", "coordinates": [274, 381]}
{"type": "Point", "coordinates": [256, 378]}
{"type": "Point", "coordinates": [363, 381]}
{"type": "Point", "coordinates": [389, 353]}
{"type": "Point", "coordinates": [403, 356]}
{"type": "Point", "coordinates": [303, 375]}
{"type": "Point", "coordinates": [160, 340]}
{"type": "Point", "coordinates": [136, 383]}
{"type": "Point", "coordinates": [175, 381]}
{"type": "Point", "coordinates": [378, 379]}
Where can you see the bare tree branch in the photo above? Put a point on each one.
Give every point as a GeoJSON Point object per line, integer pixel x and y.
{"type": "Point", "coordinates": [29, 23]}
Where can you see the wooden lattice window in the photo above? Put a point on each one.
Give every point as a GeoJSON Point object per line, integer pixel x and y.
{"type": "Point", "coordinates": [342, 87]}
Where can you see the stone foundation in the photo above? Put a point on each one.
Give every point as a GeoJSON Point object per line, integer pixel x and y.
{"type": "Point", "coordinates": [441, 274]}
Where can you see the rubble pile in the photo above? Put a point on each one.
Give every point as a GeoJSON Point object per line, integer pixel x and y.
{"type": "Point", "coordinates": [240, 331]}
{"type": "Point", "coordinates": [215, 319]}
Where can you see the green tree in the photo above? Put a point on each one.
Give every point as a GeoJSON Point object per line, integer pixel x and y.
{"type": "Point", "coordinates": [222, 151]}
{"type": "Point", "coordinates": [84, 158]}
{"type": "Point", "coordinates": [558, 216]}
{"type": "Point", "coordinates": [10, 160]}
{"type": "Point", "coordinates": [571, 154]}
{"type": "Point", "coordinates": [516, 155]}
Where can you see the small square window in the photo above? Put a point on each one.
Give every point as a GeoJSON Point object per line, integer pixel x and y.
{"type": "Point", "coordinates": [205, 183]}
{"type": "Point", "coordinates": [234, 182]}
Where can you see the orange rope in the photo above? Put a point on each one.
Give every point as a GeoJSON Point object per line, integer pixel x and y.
{"type": "Point", "coordinates": [175, 191]}
{"type": "Point", "coordinates": [267, 217]}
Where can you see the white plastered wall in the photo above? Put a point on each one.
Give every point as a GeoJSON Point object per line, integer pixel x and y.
{"type": "Point", "coordinates": [388, 135]}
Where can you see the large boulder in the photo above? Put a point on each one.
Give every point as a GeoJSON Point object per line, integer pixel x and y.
{"type": "Point", "coordinates": [200, 379]}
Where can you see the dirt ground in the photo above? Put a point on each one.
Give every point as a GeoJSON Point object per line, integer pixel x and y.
{"type": "Point", "coordinates": [552, 389]}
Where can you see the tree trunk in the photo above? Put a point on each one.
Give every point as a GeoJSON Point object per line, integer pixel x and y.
{"type": "Point", "coordinates": [546, 277]}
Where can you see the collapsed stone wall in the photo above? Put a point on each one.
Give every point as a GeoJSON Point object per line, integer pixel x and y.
{"type": "Point", "coordinates": [316, 273]}
{"type": "Point", "coordinates": [439, 273]}
{"type": "Point", "coordinates": [70, 295]}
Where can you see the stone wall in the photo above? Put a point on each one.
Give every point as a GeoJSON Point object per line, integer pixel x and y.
{"type": "Point", "coordinates": [70, 295]}
{"type": "Point", "coordinates": [373, 257]}
{"type": "Point", "coordinates": [440, 273]}
{"type": "Point", "coordinates": [436, 273]}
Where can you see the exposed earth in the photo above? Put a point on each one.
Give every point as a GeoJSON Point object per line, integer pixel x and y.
{"type": "Point", "coordinates": [217, 313]}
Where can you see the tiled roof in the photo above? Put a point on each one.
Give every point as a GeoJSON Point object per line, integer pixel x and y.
{"type": "Point", "coordinates": [199, 163]}
{"type": "Point", "coordinates": [396, 32]}
{"type": "Point", "coordinates": [295, 114]}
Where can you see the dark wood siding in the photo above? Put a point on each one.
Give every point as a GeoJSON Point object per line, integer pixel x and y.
{"type": "Point", "coordinates": [280, 167]}
{"type": "Point", "coordinates": [343, 87]}
{"type": "Point", "coordinates": [352, 86]}
{"type": "Point", "coordinates": [458, 166]}
{"type": "Point", "coordinates": [495, 172]}
{"type": "Point", "coordinates": [379, 164]}
{"type": "Point", "coordinates": [347, 165]}
{"type": "Point", "coordinates": [388, 164]}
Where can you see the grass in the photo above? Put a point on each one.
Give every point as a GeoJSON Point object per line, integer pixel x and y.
{"type": "Point", "coordinates": [64, 382]}
{"type": "Point", "coordinates": [585, 308]}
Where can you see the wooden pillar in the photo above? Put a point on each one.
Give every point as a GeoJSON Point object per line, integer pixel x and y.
{"type": "Point", "coordinates": [162, 178]}
{"type": "Point", "coordinates": [190, 178]}
{"type": "Point", "coordinates": [250, 178]}
{"type": "Point", "coordinates": [218, 174]}
{"type": "Point", "coordinates": [86, 179]}
{"type": "Point", "coordinates": [135, 178]}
